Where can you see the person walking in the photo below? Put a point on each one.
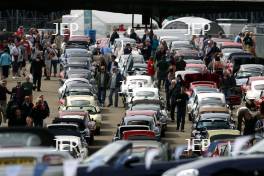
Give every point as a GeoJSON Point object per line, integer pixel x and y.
{"type": "Point", "coordinates": [162, 69]}
{"type": "Point", "coordinates": [18, 93]}
{"type": "Point", "coordinates": [5, 62]}
{"type": "Point", "coordinates": [102, 79]}
{"type": "Point", "coordinates": [26, 107]}
{"type": "Point", "coordinates": [259, 126]}
{"type": "Point", "coordinates": [115, 83]}
{"type": "Point", "coordinates": [17, 120]}
{"type": "Point", "coordinates": [173, 93]}
{"type": "Point", "coordinates": [36, 71]}
{"type": "Point", "coordinates": [112, 64]}
{"type": "Point", "coordinates": [151, 68]}
{"type": "Point", "coordinates": [15, 53]}
{"type": "Point", "coordinates": [39, 113]}
{"type": "Point", "coordinates": [3, 100]}
{"type": "Point", "coordinates": [48, 54]}
{"type": "Point", "coordinates": [114, 36]}
{"type": "Point", "coordinates": [54, 60]}
{"type": "Point", "coordinates": [170, 77]}
{"type": "Point", "coordinates": [28, 88]}
{"type": "Point", "coordinates": [181, 102]}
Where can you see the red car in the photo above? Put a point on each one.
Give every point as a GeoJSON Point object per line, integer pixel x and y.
{"type": "Point", "coordinates": [212, 77]}
{"type": "Point", "coordinates": [231, 45]}
{"type": "Point", "coordinates": [138, 134]}
{"type": "Point", "coordinates": [152, 113]}
{"type": "Point", "coordinates": [201, 68]}
{"type": "Point", "coordinates": [194, 84]}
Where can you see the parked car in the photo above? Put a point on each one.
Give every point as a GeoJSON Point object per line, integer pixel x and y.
{"type": "Point", "coordinates": [143, 120]}
{"type": "Point", "coordinates": [27, 147]}
{"type": "Point", "coordinates": [255, 92]}
{"type": "Point", "coordinates": [69, 134]}
{"type": "Point", "coordinates": [119, 135]}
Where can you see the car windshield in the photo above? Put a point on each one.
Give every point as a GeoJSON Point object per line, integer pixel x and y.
{"type": "Point", "coordinates": [199, 69]}
{"type": "Point", "coordinates": [19, 140]}
{"type": "Point", "coordinates": [70, 93]}
{"type": "Point", "coordinates": [138, 59]}
{"type": "Point", "coordinates": [140, 151]}
{"type": "Point", "coordinates": [259, 87]}
{"type": "Point", "coordinates": [152, 107]}
{"type": "Point", "coordinates": [211, 125]}
{"type": "Point", "coordinates": [135, 81]}
{"type": "Point", "coordinates": [140, 122]}
{"type": "Point", "coordinates": [247, 74]}
{"type": "Point", "coordinates": [212, 100]}
{"type": "Point", "coordinates": [145, 94]}
{"type": "Point", "coordinates": [80, 103]}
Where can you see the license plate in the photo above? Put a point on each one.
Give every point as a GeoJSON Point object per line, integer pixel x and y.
{"type": "Point", "coordinates": [17, 161]}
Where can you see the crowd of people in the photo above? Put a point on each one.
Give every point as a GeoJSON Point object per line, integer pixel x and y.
{"type": "Point", "coordinates": [27, 55]}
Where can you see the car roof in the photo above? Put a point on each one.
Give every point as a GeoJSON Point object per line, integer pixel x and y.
{"type": "Point", "coordinates": [140, 112]}
{"type": "Point", "coordinates": [215, 115]}
{"type": "Point", "coordinates": [211, 94]}
{"type": "Point", "coordinates": [138, 117]}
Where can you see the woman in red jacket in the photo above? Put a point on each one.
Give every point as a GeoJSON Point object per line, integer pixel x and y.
{"type": "Point", "coordinates": [151, 68]}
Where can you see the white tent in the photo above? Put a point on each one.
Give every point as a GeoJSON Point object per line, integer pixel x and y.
{"type": "Point", "coordinates": [102, 21]}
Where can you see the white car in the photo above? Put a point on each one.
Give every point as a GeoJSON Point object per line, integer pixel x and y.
{"type": "Point", "coordinates": [255, 91]}
{"type": "Point", "coordinates": [28, 157]}
{"type": "Point", "coordinates": [136, 81]}
{"type": "Point", "coordinates": [149, 93]}
{"type": "Point", "coordinates": [72, 81]}
{"type": "Point", "coordinates": [69, 138]}
{"type": "Point", "coordinates": [196, 91]}
{"type": "Point", "coordinates": [207, 99]}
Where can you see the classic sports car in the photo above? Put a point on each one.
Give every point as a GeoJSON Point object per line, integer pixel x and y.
{"type": "Point", "coordinates": [162, 120]}
{"type": "Point", "coordinates": [246, 71]}
{"type": "Point", "coordinates": [79, 101]}
{"type": "Point", "coordinates": [71, 135]}
{"type": "Point", "coordinates": [255, 92]}
{"type": "Point", "coordinates": [208, 84]}
{"type": "Point", "coordinates": [138, 135]}
{"type": "Point", "coordinates": [201, 68]}
{"type": "Point", "coordinates": [142, 93]}
{"type": "Point", "coordinates": [73, 81]}
{"type": "Point", "coordinates": [80, 114]}
{"type": "Point", "coordinates": [136, 81]}
{"type": "Point", "coordinates": [247, 86]}
{"type": "Point", "coordinates": [143, 120]}
{"type": "Point", "coordinates": [222, 166]}
{"type": "Point", "coordinates": [28, 147]}
{"type": "Point", "coordinates": [83, 128]}
{"type": "Point", "coordinates": [119, 135]}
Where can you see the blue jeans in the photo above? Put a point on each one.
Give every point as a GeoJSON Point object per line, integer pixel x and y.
{"type": "Point", "coordinates": [101, 95]}
{"type": "Point", "coordinates": [112, 92]}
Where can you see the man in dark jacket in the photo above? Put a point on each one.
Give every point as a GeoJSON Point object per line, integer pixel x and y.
{"type": "Point", "coordinates": [18, 93]}
{"type": "Point", "coordinates": [180, 64]}
{"type": "Point", "coordinates": [163, 67]}
{"type": "Point", "coordinates": [26, 107]}
{"type": "Point", "coordinates": [114, 36]}
{"type": "Point", "coordinates": [36, 70]}
{"type": "Point", "coordinates": [115, 83]}
{"type": "Point", "coordinates": [39, 113]}
{"type": "Point", "coordinates": [3, 100]}
{"type": "Point", "coordinates": [133, 35]}
{"type": "Point", "coordinates": [128, 49]}
{"type": "Point", "coordinates": [181, 101]}
{"type": "Point", "coordinates": [112, 64]}
{"type": "Point", "coordinates": [102, 79]}
{"type": "Point", "coordinates": [17, 119]}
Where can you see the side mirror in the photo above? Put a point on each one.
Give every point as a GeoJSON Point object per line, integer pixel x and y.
{"type": "Point", "coordinates": [130, 160]}
{"type": "Point", "coordinates": [118, 124]}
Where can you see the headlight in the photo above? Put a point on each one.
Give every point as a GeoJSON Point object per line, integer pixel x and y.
{"type": "Point", "coordinates": [188, 172]}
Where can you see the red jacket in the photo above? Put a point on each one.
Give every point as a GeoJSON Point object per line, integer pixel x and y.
{"type": "Point", "coordinates": [150, 68]}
